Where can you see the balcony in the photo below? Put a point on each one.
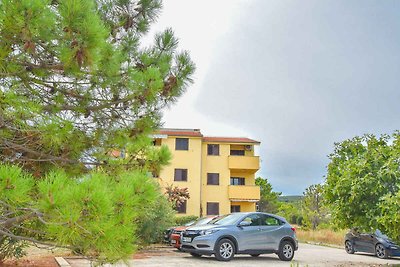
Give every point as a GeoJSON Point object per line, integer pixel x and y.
{"type": "Point", "coordinates": [244, 193]}
{"type": "Point", "coordinates": [245, 163]}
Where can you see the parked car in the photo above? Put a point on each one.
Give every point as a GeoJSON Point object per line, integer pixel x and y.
{"type": "Point", "coordinates": [175, 239]}
{"type": "Point", "coordinates": [168, 232]}
{"type": "Point", "coordinates": [251, 233]}
{"type": "Point", "coordinates": [376, 243]}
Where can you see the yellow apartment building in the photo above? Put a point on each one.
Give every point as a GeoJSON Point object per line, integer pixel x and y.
{"type": "Point", "coordinates": [219, 172]}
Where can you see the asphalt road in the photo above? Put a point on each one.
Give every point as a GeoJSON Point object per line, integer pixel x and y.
{"type": "Point", "coordinates": [307, 255]}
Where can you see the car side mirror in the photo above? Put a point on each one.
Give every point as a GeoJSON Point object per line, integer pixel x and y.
{"type": "Point", "coordinates": [244, 223]}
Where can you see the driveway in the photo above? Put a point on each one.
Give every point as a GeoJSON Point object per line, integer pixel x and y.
{"type": "Point", "coordinates": [307, 255]}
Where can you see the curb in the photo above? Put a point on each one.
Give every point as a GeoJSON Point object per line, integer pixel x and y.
{"type": "Point", "coordinates": [62, 262]}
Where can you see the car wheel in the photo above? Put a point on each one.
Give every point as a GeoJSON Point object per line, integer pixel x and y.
{"type": "Point", "coordinates": [195, 255]}
{"type": "Point", "coordinates": [381, 251]}
{"type": "Point", "coordinates": [225, 250]}
{"type": "Point", "coordinates": [254, 255]}
{"type": "Point", "coordinates": [286, 251]}
{"type": "Point", "coordinates": [348, 246]}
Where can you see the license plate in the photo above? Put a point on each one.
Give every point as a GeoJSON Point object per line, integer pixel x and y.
{"type": "Point", "coordinates": [186, 239]}
{"type": "Point", "coordinates": [173, 241]}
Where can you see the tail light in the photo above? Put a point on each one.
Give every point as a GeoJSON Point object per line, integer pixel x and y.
{"type": "Point", "coordinates": [293, 229]}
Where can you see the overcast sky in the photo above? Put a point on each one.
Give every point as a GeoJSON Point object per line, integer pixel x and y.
{"type": "Point", "coordinates": [295, 75]}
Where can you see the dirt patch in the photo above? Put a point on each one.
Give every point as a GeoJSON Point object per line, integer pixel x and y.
{"type": "Point", "coordinates": [42, 261]}
{"type": "Point", "coordinates": [152, 251]}
{"type": "Point", "coordinates": [37, 257]}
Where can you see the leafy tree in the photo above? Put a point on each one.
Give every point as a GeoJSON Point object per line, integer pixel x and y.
{"type": "Point", "coordinates": [362, 184]}
{"type": "Point", "coordinates": [75, 84]}
{"type": "Point", "coordinates": [268, 198]}
{"type": "Point", "coordinates": [291, 211]}
{"type": "Point", "coordinates": [313, 207]}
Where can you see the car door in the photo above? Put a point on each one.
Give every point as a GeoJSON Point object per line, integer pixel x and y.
{"type": "Point", "coordinates": [366, 243]}
{"type": "Point", "coordinates": [271, 232]}
{"type": "Point", "coordinates": [249, 237]}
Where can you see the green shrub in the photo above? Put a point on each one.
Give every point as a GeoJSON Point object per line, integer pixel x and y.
{"type": "Point", "coordinates": [152, 224]}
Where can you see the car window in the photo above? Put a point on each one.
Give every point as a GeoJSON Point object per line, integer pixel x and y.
{"type": "Point", "coordinates": [229, 219]}
{"type": "Point", "coordinates": [253, 219]}
{"type": "Point", "coordinates": [270, 221]}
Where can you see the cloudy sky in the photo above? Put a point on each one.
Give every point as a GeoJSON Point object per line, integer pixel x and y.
{"type": "Point", "coordinates": [295, 75]}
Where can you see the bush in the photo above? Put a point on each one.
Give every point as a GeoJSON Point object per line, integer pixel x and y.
{"type": "Point", "coordinates": [182, 220]}
{"type": "Point", "coordinates": [152, 224]}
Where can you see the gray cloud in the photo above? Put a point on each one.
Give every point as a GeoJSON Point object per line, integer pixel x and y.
{"type": "Point", "coordinates": [301, 75]}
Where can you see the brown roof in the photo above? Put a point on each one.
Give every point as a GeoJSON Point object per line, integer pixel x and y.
{"type": "Point", "coordinates": [180, 132]}
{"type": "Point", "coordinates": [230, 140]}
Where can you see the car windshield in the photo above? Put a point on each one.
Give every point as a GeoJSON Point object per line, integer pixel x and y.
{"type": "Point", "coordinates": [227, 219]}
{"type": "Point", "coordinates": [190, 223]}
{"type": "Point", "coordinates": [203, 220]}
{"type": "Point", "coordinates": [378, 233]}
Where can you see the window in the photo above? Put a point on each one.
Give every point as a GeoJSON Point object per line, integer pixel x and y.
{"type": "Point", "coordinates": [212, 208]}
{"type": "Point", "coordinates": [182, 208]}
{"type": "Point", "coordinates": [181, 144]}
{"type": "Point", "coordinates": [213, 178]}
{"type": "Point", "coordinates": [253, 219]}
{"type": "Point", "coordinates": [213, 149]}
{"type": "Point", "coordinates": [270, 221]}
{"type": "Point", "coordinates": [237, 181]}
{"type": "Point", "coordinates": [180, 175]}
{"type": "Point", "coordinates": [235, 208]}
{"type": "Point", "coordinates": [237, 152]}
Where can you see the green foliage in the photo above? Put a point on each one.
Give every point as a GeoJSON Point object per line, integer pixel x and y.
{"type": "Point", "coordinates": [76, 85]}
{"type": "Point", "coordinates": [362, 184]}
{"type": "Point", "coordinates": [268, 199]}
{"type": "Point", "coordinates": [75, 82]}
{"type": "Point", "coordinates": [96, 215]}
{"type": "Point", "coordinates": [313, 208]}
{"type": "Point", "coordinates": [291, 212]}
{"type": "Point", "coordinates": [182, 220]}
{"type": "Point", "coordinates": [153, 221]}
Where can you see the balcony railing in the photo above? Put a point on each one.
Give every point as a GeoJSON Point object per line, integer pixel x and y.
{"type": "Point", "coordinates": [251, 163]}
{"type": "Point", "coordinates": [244, 192]}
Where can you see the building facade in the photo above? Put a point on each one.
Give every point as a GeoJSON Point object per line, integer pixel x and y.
{"type": "Point", "coordinates": [219, 172]}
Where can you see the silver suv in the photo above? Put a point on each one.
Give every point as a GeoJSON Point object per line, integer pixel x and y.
{"type": "Point", "coordinates": [251, 233]}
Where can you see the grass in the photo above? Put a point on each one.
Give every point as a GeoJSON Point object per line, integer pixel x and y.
{"type": "Point", "coordinates": [323, 236]}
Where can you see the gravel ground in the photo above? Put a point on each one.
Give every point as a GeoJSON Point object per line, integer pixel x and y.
{"type": "Point", "coordinates": [307, 255]}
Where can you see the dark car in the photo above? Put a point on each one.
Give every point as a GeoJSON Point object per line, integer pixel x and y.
{"type": "Point", "coordinates": [376, 243]}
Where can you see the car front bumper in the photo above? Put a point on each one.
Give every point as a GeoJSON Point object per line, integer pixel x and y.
{"type": "Point", "coordinates": [394, 252]}
{"type": "Point", "coordinates": [175, 240]}
{"type": "Point", "coordinates": [203, 245]}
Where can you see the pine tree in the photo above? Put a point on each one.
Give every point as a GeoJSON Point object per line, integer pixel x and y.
{"type": "Point", "coordinates": [76, 86]}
